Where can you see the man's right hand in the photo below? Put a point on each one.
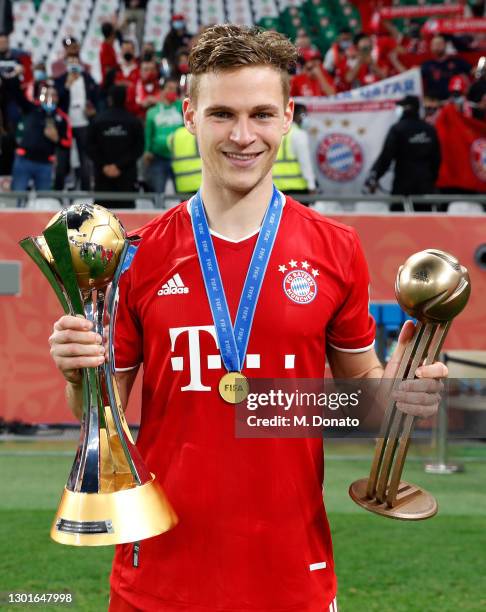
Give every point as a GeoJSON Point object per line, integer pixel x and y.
{"type": "Point", "coordinates": [75, 345]}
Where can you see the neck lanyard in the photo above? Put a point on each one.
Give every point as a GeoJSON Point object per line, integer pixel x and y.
{"type": "Point", "coordinates": [233, 341]}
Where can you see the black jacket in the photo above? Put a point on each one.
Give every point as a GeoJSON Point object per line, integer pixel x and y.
{"type": "Point", "coordinates": [34, 145]}
{"type": "Point", "coordinates": [65, 93]}
{"type": "Point", "coordinates": [6, 17]}
{"type": "Point", "coordinates": [414, 147]}
{"type": "Point", "coordinates": [115, 136]}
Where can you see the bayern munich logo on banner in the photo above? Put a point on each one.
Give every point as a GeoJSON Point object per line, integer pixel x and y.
{"type": "Point", "coordinates": [300, 286]}
{"type": "Point", "coordinates": [339, 157]}
{"type": "Point", "coordinates": [478, 158]}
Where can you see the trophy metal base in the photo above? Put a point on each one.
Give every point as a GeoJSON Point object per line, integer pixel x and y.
{"type": "Point", "coordinates": [412, 503]}
{"type": "Point", "coordinates": [443, 468]}
{"type": "Point", "coordinates": [100, 519]}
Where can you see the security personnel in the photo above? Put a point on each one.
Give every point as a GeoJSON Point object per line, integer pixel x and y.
{"type": "Point", "coordinates": [115, 143]}
{"type": "Point", "coordinates": [413, 145]}
{"type": "Point", "coordinates": [293, 171]}
{"type": "Point", "coordinates": [186, 163]}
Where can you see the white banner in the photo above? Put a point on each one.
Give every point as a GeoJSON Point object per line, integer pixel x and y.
{"type": "Point", "coordinates": [347, 131]}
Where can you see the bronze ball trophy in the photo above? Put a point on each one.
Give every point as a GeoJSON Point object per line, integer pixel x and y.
{"type": "Point", "coordinates": [110, 496]}
{"type": "Point", "coordinates": [434, 288]}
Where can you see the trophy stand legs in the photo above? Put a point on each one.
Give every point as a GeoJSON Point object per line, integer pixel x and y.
{"type": "Point", "coordinates": [383, 492]}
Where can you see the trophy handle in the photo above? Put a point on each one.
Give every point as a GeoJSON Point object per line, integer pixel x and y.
{"type": "Point", "coordinates": [33, 250]}
{"type": "Point", "coordinates": [58, 243]}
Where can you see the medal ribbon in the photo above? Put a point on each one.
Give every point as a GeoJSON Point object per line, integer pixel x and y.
{"type": "Point", "coordinates": [233, 341]}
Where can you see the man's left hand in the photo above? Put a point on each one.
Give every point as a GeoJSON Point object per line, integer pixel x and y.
{"type": "Point", "coordinates": [419, 396]}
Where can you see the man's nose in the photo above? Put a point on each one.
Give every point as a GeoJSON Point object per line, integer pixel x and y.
{"type": "Point", "coordinates": [242, 133]}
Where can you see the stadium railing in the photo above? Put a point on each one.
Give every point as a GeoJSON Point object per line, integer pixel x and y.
{"type": "Point", "coordinates": [469, 397]}
{"type": "Point", "coordinates": [326, 203]}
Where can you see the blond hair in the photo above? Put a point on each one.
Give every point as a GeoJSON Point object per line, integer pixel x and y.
{"type": "Point", "coordinates": [227, 46]}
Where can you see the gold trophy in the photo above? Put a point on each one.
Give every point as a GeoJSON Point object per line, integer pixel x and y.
{"type": "Point", "coordinates": [434, 288]}
{"type": "Point", "coordinates": [110, 496]}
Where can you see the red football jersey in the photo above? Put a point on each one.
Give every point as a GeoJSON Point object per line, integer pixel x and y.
{"type": "Point", "coordinates": [253, 533]}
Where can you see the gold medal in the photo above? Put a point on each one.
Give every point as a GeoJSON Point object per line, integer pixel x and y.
{"type": "Point", "coordinates": [234, 387]}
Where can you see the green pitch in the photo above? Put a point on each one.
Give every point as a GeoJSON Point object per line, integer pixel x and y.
{"type": "Point", "coordinates": [437, 565]}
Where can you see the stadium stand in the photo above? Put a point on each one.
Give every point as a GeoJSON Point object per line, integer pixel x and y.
{"type": "Point", "coordinates": [157, 21]}
{"type": "Point", "coordinates": [41, 27]}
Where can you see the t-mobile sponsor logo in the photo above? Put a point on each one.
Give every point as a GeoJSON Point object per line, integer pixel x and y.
{"type": "Point", "coordinates": [212, 361]}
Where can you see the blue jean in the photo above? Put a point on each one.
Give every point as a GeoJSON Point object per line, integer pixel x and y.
{"type": "Point", "coordinates": [159, 172]}
{"type": "Point", "coordinates": [25, 170]}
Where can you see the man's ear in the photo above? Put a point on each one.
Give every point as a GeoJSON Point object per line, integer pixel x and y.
{"type": "Point", "coordinates": [189, 114]}
{"type": "Point", "coordinates": [288, 115]}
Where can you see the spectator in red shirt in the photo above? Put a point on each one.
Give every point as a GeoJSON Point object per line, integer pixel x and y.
{"type": "Point", "coordinates": [181, 69]}
{"type": "Point", "coordinates": [314, 79]}
{"type": "Point", "coordinates": [147, 88]}
{"type": "Point", "coordinates": [360, 67]}
{"type": "Point", "coordinates": [128, 71]}
{"type": "Point", "coordinates": [108, 59]}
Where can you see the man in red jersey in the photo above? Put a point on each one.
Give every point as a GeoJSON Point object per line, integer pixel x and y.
{"type": "Point", "coordinates": [253, 534]}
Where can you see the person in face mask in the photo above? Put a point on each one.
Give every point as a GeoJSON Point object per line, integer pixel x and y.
{"type": "Point", "coordinates": [177, 38]}
{"type": "Point", "coordinates": [413, 145]}
{"type": "Point", "coordinates": [337, 50]}
{"type": "Point", "coordinates": [46, 128]}
{"type": "Point", "coordinates": [161, 121]}
{"type": "Point", "coordinates": [458, 87]}
{"type": "Point", "coordinates": [115, 144]}
{"type": "Point", "coordinates": [129, 71]}
{"type": "Point", "coordinates": [78, 98]}
{"type": "Point", "coordinates": [181, 69]}
{"type": "Point", "coordinates": [71, 50]}
{"type": "Point", "coordinates": [40, 80]}
{"type": "Point", "coordinates": [431, 109]}
{"type": "Point", "coordinates": [147, 88]}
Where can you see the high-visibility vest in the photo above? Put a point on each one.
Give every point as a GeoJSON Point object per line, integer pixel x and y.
{"type": "Point", "coordinates": [186, 163]}
{"type": "Point", "coordinates": [287, 173]}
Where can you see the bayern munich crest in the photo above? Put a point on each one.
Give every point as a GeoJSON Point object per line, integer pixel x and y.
{"type": "Point", "coordinates": [299, 285]}
{"type": "Point", "coordinates": [478, 158]}
{"type": "Point", "coordinates": [339, 157]}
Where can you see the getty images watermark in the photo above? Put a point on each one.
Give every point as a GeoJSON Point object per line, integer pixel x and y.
{"type": "Point", "coordinates": [315, 408]}
{"type": "Point", "coordinates": [299, 406]}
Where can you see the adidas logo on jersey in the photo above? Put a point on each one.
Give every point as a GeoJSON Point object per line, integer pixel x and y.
{"type": "Point", "coordinates": [174, 286]}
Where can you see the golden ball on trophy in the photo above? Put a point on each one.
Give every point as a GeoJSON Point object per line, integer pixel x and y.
{"type": "Point", "coordinates": [432, 286]}
{"type": "Point", "coordinates": [96, 239]}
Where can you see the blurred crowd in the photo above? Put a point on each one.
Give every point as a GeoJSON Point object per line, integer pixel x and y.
{"type": "Point", "coordinates": [60, 129]}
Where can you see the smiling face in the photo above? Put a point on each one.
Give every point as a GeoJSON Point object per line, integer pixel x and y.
{"type": "Point", "coordinates": [239, 118]}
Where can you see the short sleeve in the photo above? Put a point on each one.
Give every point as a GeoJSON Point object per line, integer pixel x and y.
{"type": "Point", "coordinates": [352, 329]}
{"type": "Point", "coordinates": [128, 337]}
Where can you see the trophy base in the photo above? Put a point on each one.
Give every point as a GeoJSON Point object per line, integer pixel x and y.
{"type": "Point", "coordinates": [412, 503]}
{"type": "Point", "coordinates": [101, 519]}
